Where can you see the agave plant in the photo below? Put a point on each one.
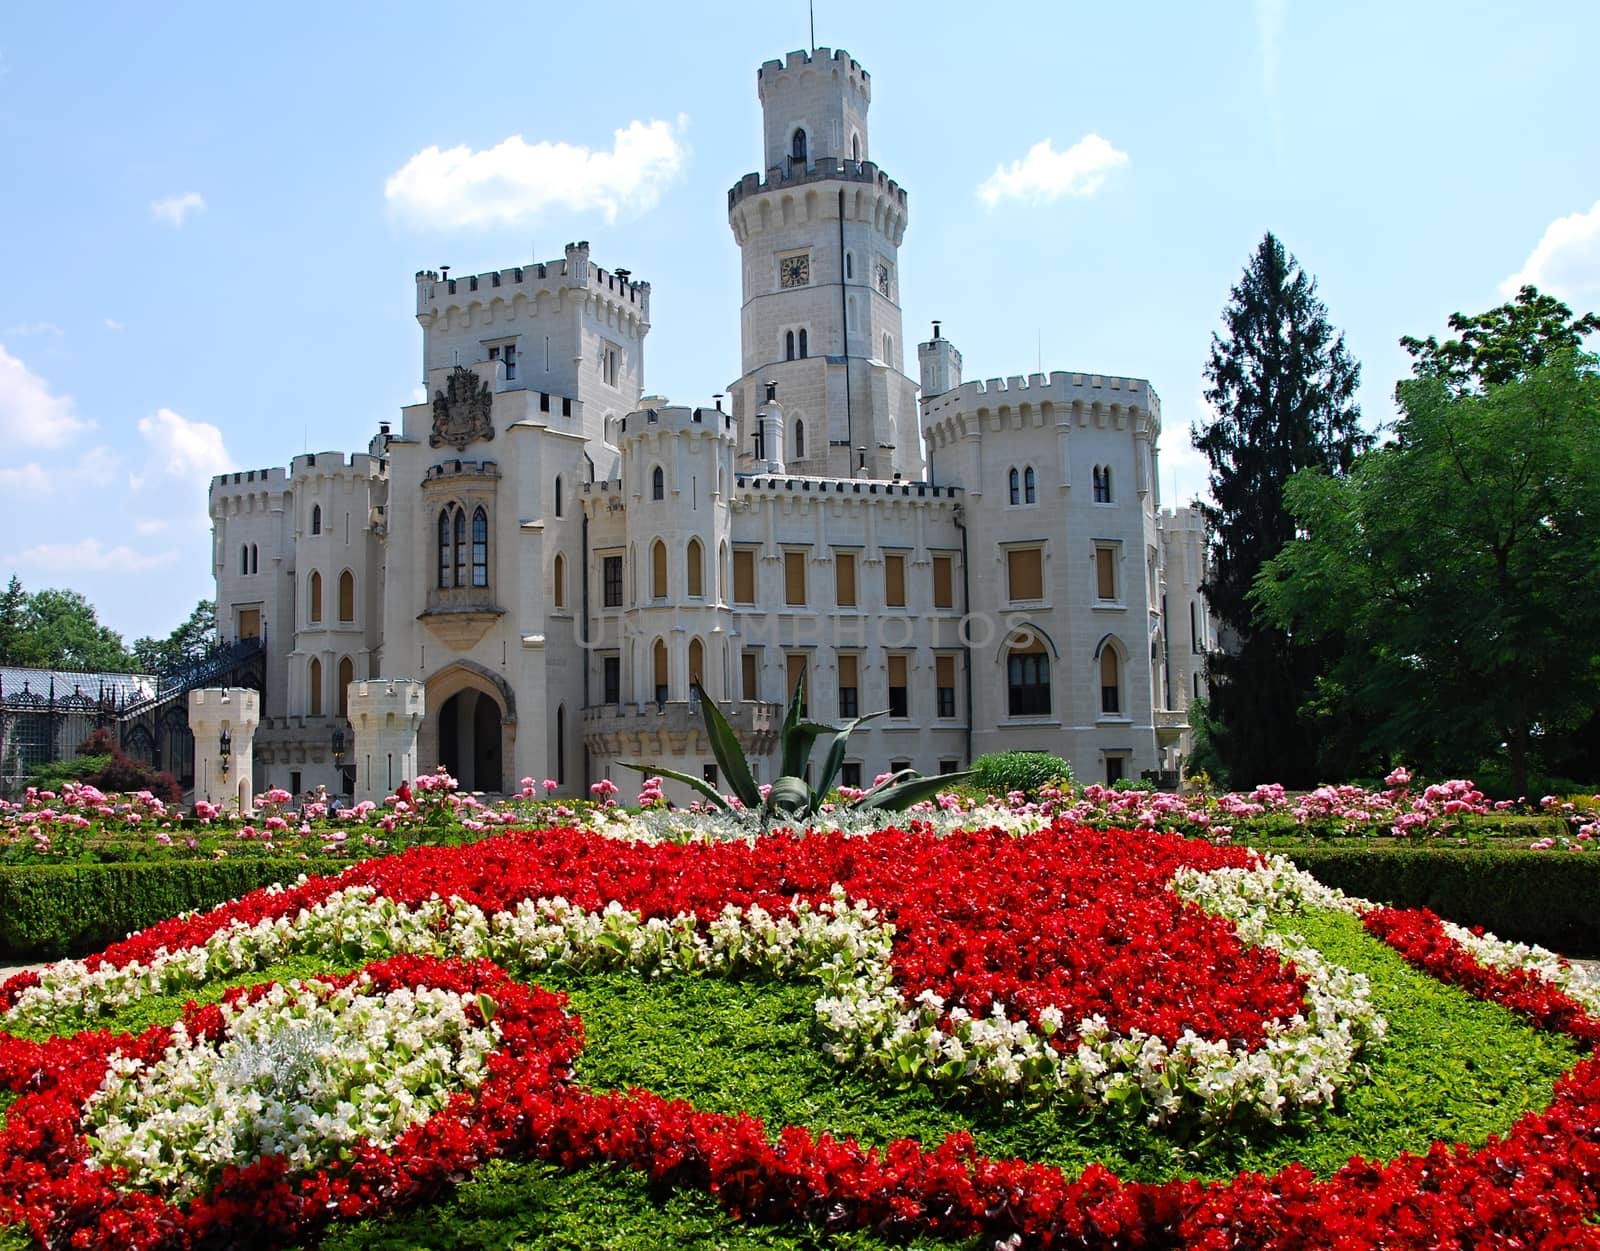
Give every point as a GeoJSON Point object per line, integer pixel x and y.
{"type": "Point", "coordinates": [791, 797]}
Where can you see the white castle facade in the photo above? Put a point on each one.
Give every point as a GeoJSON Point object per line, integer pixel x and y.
{"type": "Point", "coordinates": [557, 557]}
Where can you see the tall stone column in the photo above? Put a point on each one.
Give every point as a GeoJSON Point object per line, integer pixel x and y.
{"type": "Point", "coordinates": [228, 781]}
{"type": "Point", "coordinates": [386, 716]}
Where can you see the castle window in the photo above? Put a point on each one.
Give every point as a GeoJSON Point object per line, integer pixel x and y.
{"type": "Point", "coordinates": [255, 559]}
{"type": "Point", "coordinates": [800, 436]}
{"type": "Point", "coordinates": [788, 345]}
{"type": "Point", "coordinates": [316, 519]}
{"type": "Point", "coordinates": [444, 548]}
{"type": "Point", "coordinates": [460, 549]}
{"type": "Point", "coordinates": [849, 685]}
{"type": "Point", "coordinates": [1015, 481]}
{"type": "Point", "coordinates": [608, 367]}
{"type": "Point", "coordinates": [697, 569]}
{"type": "Point", "coordinates": [658, 484]}
{"type": "Point", "coordinates": [894, 580]}
{"type": "Point", "coordinates": [797, 147]}
{"type": "Point", "coordinates": [944, 680]}
{"type": "Point", "coordinates": [480, 548]}
{"type": "Point", "coordinates": [510, 358]}
{"type": "Point", "coordinates": [899, 686]}
{"type": "Point", "coordinates": [749, 687]}
{"type": "Point", "coordinates": [244, 558]}
{"type": "Point", "coordinates": [697, 664]}
{"type": "Point", "coordinates": [1105, 573]}
{"type": "Point", "coordinates": [1110, 684]}
{"type": "Point", "coordinates": [347, 675]}
{"type": "Point", "coordinates": [1028, 680]}
{"type": "Point", "coordinates": [1194, 630]}
{"type": "Point", "coordinates": [944, 592]}
{"type": "Point", "coordinates": [611, 577]}
{"type": "Point", "coordinates": [802, 343]}
{"type": "Point", "coordinates": [558, 495]}
{"type": "Point", "coordinates": [611, 678]}
{"type": "Point", "coordinates": [1029, 494]}
{"type": "Point", "coordinates": [314, 685]}
{"type": "Point", "coordinates": [314, 596]}
{"type": "Point", "coordinates": [1102, 484]}
{"type": "Point", "coordinates": [794, 578]}
{"type": "Point", "coordinates": [1025, 573]}
{"type": "Point", "coordinates": [660, 667]}
{"type": "Point", "coordinates": [558, 576]}
{"type": "Point", "coordinates": [744, 576]}
{"type": "Point", "coordinates": [844, 579]}
{"type": "Point", "coordinates": [347, 596]}
{"type": "Point", "coordinates": [561, 745]}
{"type": "Point", "coordinates": [855, 147]}
{"type": "Point", "coordinates": [658, 570]}
{"type": "Point", "coordinates": [849, 265]}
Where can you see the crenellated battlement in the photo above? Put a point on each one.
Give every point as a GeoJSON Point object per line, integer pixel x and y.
{"type": "Point", "coordinates": [772, 73]}
{"type": "Point", "coordinates": [337, 464]}
{"type": "Point", "coordinates": [778, 484]}
{"type": "Point", "coordinates": [677, 417]}
{"type": "Point", "coordinates": [1060, 388]}
{"type": "Point", "coordinates": [822, 169]}
{"type": "Point", "coordinates": [437, 291]}
{"type": "Point", "coordinates": [461, 467]}
{"type": "Point", "coordinates": [249, 481]}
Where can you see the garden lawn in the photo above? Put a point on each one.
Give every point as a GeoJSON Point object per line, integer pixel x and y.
{"type": "Point", "coordinates": [1453, 1068]}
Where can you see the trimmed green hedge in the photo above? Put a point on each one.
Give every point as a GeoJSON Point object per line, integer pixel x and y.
{"type": "Point", "coordinates": [1547, 897]}
{"type": "Point", "coordinates": [51, 910]}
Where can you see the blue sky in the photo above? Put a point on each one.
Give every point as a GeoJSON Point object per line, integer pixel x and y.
{"type": "Point", "coordinates": [213, 213]}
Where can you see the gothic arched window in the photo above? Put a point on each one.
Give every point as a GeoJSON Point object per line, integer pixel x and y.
{"type": "Point", "coordinates": [797, 146]}
{"type": "Point", "coordinates": [788, 345]}
{"type": "Point", "coordinates": [1028, 680]}
{"type": "Point", "coordinates": [659, 666]}
{"type": "Point", "coordinates": [460, 527]}
{"type": "Point", "coordinates": [1029, 494]}
{"type": "Point", "coordinates": [658, 570]}
{"type": "Point", "coordinates": [444, 548]}
{"type": "Point", "coordinates": [1102, 484]}
{"type": "Point", "coordinates": [347, 675]}
{"type": "Point", "coordinates": [314, 596]}
{"type": "Point", "coordinates": [558, 495]}
{"type": "Point", "coordinates": [697, 569]}
{"type": "Point", "coordinates": [658, 484]}
{"type": "Point", "coordinates": [347, 596]}
{"type": "Point", "coordinates": [316, 519]}
{"type": "Point", "coordinates": [799, 440]}
{"type": "Point", "coordinates": [480, 548]}
{"type": "Point", "coordinates": [559, 575]}
{"type": "Point", "coordinates": [855, 147]}
{"type": "Point", "coordinates": [314, 687]}
{"type": "Point", "coordinates": [802, 344]}
{"type": "Point", "coordinates": [255, 559]}
{"type": "Point", "coordinates": [244, 558]}
{"type": "Point", "coordinates": [1110, 683]}
{"type": "Point", "coordinates": [1016, 486]}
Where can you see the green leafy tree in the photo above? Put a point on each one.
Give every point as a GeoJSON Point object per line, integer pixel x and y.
{"type": "Point", "coordinates": [1283, 388]}
{"type": "Point", "coordinates": [60, 630]}
{"type": "Point", "coordinates": [1460, 563]}
{"type": "Point", "coordinates": [186, 644]}
{"type": "Point", "coordinates": [1502, 345]}
{"type": "Point", "coordinates": [13, 604]}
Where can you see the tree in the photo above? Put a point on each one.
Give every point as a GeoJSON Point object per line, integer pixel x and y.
{"type": "Point", "coordinates": [1283, 387]}
{"type": "Point", "coordinates": [1460, 563]}
{"type": "Point", "coordinates": [13, 604]}
{"type": "Point", "coordinates": [1502, 345]}
{"type": "Point", "coordinates": [59, 630]}
{"type": "Point", "coordinates": [188, 643]}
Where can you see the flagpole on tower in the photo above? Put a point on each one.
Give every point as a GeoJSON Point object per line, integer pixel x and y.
{"type": "Point", "coordinates": [811, 8]}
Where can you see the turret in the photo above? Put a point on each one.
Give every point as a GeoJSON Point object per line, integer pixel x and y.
{"type": "Point", "coordinates": [813, 105]}
{"type": "Point", "coordinates": [769, 431]}
{"type": "Point", "coordinates": [941, 365]}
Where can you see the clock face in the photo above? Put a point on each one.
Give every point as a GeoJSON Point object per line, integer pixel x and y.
{"type": "Point", "coordinates": [794, 271]}
{"type": "Point", "coordinates": [883, 279]}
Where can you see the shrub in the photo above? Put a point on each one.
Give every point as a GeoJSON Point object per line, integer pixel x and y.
{"type": "Point", "coordinates": [1000, 773]}
{"type": "Point", "coordinates": [116, 770]}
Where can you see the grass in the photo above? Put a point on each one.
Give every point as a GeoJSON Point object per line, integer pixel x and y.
{"type": "Point", "coordinates": [1453, 1068]}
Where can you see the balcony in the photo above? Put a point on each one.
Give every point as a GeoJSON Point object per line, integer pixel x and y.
{"type": "Point", "coordinates": [1171, 725]}
{"type": "Point", "coordinates": [676, 728]}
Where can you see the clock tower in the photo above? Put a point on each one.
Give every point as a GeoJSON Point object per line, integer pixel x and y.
{"type": "Point", "coordinates": [819, 234]}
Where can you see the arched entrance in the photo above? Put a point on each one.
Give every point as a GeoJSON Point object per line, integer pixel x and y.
{"type": "Point", "coordinates": [469, 740]}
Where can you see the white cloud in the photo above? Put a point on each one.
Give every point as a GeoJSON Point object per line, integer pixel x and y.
{"type": "Point", "coordinates": [147, 526]}
{"type": "Point", "coordinates": [1566, 262]}
{"type": "Point", "coordinates": [1269, 16]}
{"type": "Point", "coordinates": [1045, 174]}
{"type": "Point", "coordinates": [1185, 472]}
{"type": "Point", "coordinates": [31, 477]}
{"type": "Point", "coordinates": [516, 180]}
{"type": "Point", "coordinates": [180, 448]}
{"type": "Point", "coordinates": [113, 324]}
{"type": "Point", "coordinates": [23, 329]}
{"type": "Point", "coordinates": [30, 416]}
{"type": "Point", "coordinates": [97, 467]}
{"type": "Point", "coordinates": [90, 556]}
{"type": "Point", "coordinates": [174, 209]}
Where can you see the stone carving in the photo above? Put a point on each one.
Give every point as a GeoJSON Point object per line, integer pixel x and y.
{"type": "Point", "coordinates": [461, 412]}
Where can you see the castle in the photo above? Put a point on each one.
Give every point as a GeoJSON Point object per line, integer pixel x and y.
{"type": "Point", "coordinates": [556, 558]}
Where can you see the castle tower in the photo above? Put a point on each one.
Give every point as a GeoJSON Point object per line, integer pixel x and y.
{"type": "Point", "coordinates": [820, 236]}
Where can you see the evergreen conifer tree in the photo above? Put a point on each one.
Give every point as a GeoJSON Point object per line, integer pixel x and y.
{"type": "Point", "coordinates": [1283, 389]}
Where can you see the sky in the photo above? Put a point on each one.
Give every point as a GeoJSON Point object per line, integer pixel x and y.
{"type": "Point", "coordinates": [213, 214]}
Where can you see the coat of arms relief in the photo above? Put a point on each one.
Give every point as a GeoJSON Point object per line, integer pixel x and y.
{"type": "Point", "coordinates": [461, 412]}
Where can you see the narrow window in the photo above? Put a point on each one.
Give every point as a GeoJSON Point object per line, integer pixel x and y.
{"type": "Point", "coordinates": [944, 668]}
{"type": "Point", "coordinates": [1110, 692]}
{"type": "Point", "coordinates": [802, 343]}
{"type": "Point", "coordinates": [658, 484]}
{"type": "Point", "coordinates": [315, 597]}
{"type": "Point", "coordinates": [244, 558]}
{"type": "Point", "coordinates": [894, 581]}
{"type": "Point", "coordinates": [347, 675]}
{"type": "Point", "coordinates": [1105, 573]}
{"type": "Point", "coordinates": [797, 147]}
{"type": "Point", "coordinates": [1102, 484]}
{"type": "Point", "coordinates": [444, 548]}
{"type": "Point", "coordinates": [944, 593]}
{"type": "Point", "coordinates": [510, 358]}
{"type": "Point", "coordinates": [660, 667]}
{"type": "Point", "coordinates": [1194, 630]}
{"type": "Point", "coordinates": [561, 745]}
{"type": "Point", "coordinates": [612, 577]}
{"type": "Point", "coordinates": [744, 576]}
{"type": "Point", "coordinates": [1116, 770]}
{"type": "Point", "coordinates": [899, 687]}
{"type": "Point", "coordinates": [1016, 486]}
{"type": "Point", "coordinates": [855, 147]}
{"type": "Point", "coordinates": [559, 574]}
{"type": "Point", "coordinates": [611, 678]}
{"type": "Point", "coordinates": [480, 548]}
{"type": "Point", "coordinates": [347, 596]}
{"type": "Point", "coordinates": [799, 438]}
{"type": "Point", "coordinates": [849, 265]}
{"type": "Point", "coordinates": [844, 579]}
{"type": "Point", "coordinates": [749, 688]}
{"type": "Point", "coordinates": [788, 345]}
{"type": "Point", "coordinates": [697, 664]}
{"type": "Point", "coordinates": [316, 519]}
{"type": "Point", "coordinates": [558, 495]}
{"type": "Point", "coordinates": [794, 578]}
{"type": "Point", "coordinates": [1029, 494]}
{"type": "Point", "coordinates": [255, 559]}
{"type": "Point", "coordinates": [1028, 680]}
{"type": "Point", "coordinates": [460, 527]}
{"type": "Point", "coordinates": [658, 570]}
{"type": "Point", "coordinates": [1025, 573]}
{"type": "Point", "coordinates": [314, 683]}
{"type": "Point", "coordinates": [849, 685]}
{"type": "Point", "coordinates": [697, 570]}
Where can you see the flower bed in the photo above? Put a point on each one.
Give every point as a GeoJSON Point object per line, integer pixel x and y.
{"type": "Point", "coordinates": [1134, 973]}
